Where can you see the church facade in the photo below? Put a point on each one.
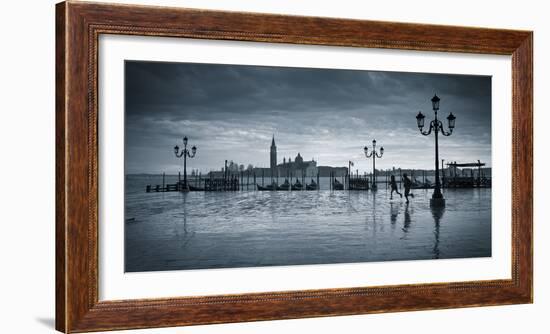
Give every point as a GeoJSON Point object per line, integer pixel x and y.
{"type": "Point", "coordinates": [289, 168]}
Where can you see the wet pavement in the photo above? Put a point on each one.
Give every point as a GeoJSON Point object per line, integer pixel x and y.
{"type": "Point", "coordinates": [196, 230]}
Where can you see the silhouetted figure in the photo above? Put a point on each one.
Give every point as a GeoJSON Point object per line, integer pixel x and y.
{"type": "Point", "coordinates": [407, 183]}
{"type": "Point", "coordinates": [393, 185]}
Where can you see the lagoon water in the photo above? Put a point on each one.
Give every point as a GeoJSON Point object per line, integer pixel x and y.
{"type": "Point", "coordinates": [197, 230]}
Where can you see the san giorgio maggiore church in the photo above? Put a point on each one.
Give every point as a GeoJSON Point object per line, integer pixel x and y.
{"type": "Point", "coordinates": [289, 167]}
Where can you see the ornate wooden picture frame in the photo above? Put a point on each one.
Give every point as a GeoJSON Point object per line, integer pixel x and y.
{"type": "Point", "coordinates": [78, 27]}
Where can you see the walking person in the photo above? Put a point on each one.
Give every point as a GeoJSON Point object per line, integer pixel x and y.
{"type": "Point", "coordinates": [393, 185]}
{"type": "Point", "coordinates": [407, 183]}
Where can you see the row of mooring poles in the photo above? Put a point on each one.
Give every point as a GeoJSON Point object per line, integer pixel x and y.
{"type": "Point", "coordinates": [240, 180]}
{"type": "Point", "coordinates": [345, 179]}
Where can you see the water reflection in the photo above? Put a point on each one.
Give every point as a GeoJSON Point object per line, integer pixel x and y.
{"type": "Point", "coordinates": [237, 229]}
{"type": "Point", "coordinates": [406, 219]}
{"type": "Point", "coordinates": [184, 206]}
{"type": "Point", "coordinates": [394, 212]}
{"type": "Point", "coordinates": [371, 223]}
{"type": "Point", "coordinates": [186, 237]}
{"type": "Point", "coordinates": [437, 214]}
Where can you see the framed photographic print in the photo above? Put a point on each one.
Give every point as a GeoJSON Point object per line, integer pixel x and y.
{"type": "Point", "coordinates": [222, 167]}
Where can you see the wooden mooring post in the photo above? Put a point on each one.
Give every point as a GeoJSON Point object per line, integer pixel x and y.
{"type": "Point", "coordinates": [318, 184]}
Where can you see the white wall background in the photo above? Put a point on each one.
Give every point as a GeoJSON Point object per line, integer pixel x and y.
{"type": "Point", "coordinates": [27, 69]}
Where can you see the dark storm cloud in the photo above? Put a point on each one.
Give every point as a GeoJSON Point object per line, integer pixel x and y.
{"type": "Point", "coordinates": [231, 111]}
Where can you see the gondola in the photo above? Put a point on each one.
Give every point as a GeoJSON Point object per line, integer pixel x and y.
{"type": "Point", "coordinates": [269, 187]}
{"type": "Point", "coordinates": [337, 185]}
{"type": "Point", "coordinates": [311, 186]}
{"type": "Point", "coordinates": [284, 186]}
{"type": "Point", "coordinates": [297, 186]}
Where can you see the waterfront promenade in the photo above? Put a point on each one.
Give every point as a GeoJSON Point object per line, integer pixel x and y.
{"type": "Point", "coordinates": [174, 231]}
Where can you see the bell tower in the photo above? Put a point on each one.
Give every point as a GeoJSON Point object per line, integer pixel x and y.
{"type": "Point", "coordinates": [273, 155]}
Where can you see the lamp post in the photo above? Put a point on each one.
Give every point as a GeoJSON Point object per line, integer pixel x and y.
{"type": "Point", "coordinates": [185, 153]}
{"type": "Point", "coordinates": [437, 126]}
{"type": "Point", "coordinates": [374, 155]}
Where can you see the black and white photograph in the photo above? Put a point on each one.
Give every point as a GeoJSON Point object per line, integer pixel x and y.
{"type": "Point", "coordinates": [231, 166]}
{"type": "Point", "coordinates": [244, 167]}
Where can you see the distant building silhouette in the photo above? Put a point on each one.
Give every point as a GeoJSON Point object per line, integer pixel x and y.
{"type": "Point", "coordinates": [273, 156]}
{"type": "Point", "coordinates": [289, 167]}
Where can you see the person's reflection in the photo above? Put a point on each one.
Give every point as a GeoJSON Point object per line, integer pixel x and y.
{"type": "Point", "coordinates": [437, 214]}
{"type": "Point", "coordinates": [394, 212]}
{"type": "Point", "coordinates": [406, 219]}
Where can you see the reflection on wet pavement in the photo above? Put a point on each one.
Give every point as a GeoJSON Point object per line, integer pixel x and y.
{"type": "Point", "coordinates": [171, 231]}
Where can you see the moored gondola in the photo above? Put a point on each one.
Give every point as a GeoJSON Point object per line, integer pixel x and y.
{"type": "Point", "coordinates": [311, 186]}
{"type": "Point", "coordinates": [269, 187]}
{"type": "Point", "coordinates": [297, 186]}
{"type": "Point", "coordinates": [336, 185]}
{"type": "Point", "coordinates": [284, 186]}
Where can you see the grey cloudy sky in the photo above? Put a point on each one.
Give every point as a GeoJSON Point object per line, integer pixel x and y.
{"type": "Point", "coordinates": [231, 111]}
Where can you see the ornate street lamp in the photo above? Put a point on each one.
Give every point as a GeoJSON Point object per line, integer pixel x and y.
{"type": "Point", "coordinates": [437, 126]}
{"type": "Point", "coordinates": [185, 153]}
{"type": "Point", "coordinates": [374, 155]}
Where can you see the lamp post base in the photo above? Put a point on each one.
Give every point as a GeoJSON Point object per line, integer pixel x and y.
{"type": "Point", "coordinates": [183, 186]}
{"type": "Point", "coordinates": [437, 202]}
